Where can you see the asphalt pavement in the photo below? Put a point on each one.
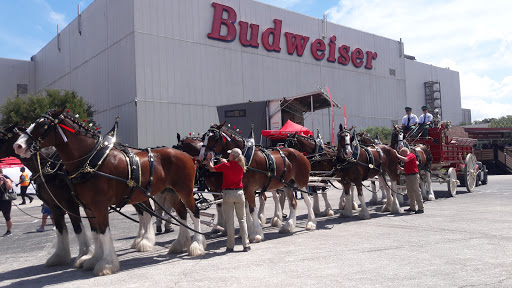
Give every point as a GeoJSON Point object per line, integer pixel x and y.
{"type": "Point", "coordinates": [465, 241]}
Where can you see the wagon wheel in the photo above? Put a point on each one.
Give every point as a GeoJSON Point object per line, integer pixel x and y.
{"type": "Point", "coordinates": [452, 182]}
{"type": "Point", "coordinates": [470, 170]}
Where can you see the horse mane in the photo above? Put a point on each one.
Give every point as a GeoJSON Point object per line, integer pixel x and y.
{"type": "Point", "coordinates": [80, 124]}
{"type": "Point", "coordinates": [231, 131]}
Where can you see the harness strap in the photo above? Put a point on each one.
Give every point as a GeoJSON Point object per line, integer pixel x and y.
{"type": "Point", "coordinates": [151, 160]}
{"type": "Point", "coordinates": [271, 168]}
{"type": "Point", "coordinates": [284, 163]}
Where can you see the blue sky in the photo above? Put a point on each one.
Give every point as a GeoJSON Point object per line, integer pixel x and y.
{"type": "Point", "coordinates": [468, 36]}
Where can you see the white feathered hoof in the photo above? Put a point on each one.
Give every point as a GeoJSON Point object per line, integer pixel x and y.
{"type": "Point", "coordinates": [286, 228]}
{"type": "Point", "coordinates": [431, 197]}
{"type": "Point", "coordinates": [90, 264]}
{"type": "Point", "coordinates": [106, 268]}
{"type": "Point", "coordinates": [136, 242]}
{"type": "Point", "coordinates": [311, 226]}
{"type": "Point", "coordinates": [257, 239]}
{"type": "Point", "coordinates": [328, 212]}
{"type": "Point", "coordinates": [196, 249]}
{"type": "Point", "coordinates": [58, 259]}
{"type": "Point", "coordinates": [262, 218]}
{"type": "Point", "coordinates": [364, 214]}
{"type": "Point", "coordinates": [386, 208]}
{"type": "Point", "coordinates": [396, 209]}
{"type": "Point", "coordinates": [341, 205]}
{"type": "Point", "coordinates": [144, 246]}
{"type": "Point", "coordinates": [80, 259]}
{"type": "Point", "coordinates": [276, 222]}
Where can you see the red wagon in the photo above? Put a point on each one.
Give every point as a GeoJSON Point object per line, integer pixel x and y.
{"type": "Point", "coordinates": [454, 161]}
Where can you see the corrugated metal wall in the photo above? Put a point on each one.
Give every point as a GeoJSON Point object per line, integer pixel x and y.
{"type": "Point", "coordinates": [178, 64]}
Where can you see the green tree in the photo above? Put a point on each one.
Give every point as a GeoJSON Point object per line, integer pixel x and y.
{"type": "Point", "coordinates": [28, 109]}
{"type": "Point", "coordinates": [483, 121]}
{"type": "Point", "coordinates": [502, 122]}
{"type": "Point", "coordinates": [384, 133]}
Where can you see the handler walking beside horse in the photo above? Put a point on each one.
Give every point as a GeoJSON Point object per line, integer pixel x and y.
{"type": "Point", "coordinates": [233, 196]}
{"type": "Point", "coordinates": [411, 180]}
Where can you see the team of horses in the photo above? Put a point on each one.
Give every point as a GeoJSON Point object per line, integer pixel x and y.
{"type": "Point", "coordinates": [75, 166]}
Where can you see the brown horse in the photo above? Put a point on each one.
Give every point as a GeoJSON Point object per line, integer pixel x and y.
{"type": "Point", "coordinates": [355, 165]}
{"type": "Point", "coordinates": [323, 160]}
{"type": "Point", "coordinates": [99, 187]}
{"type": "Point", "coordinates": [424, 157]}
{"type": "Point", "coordinates": [56, 194]}
{"type": "Point", "coordinates": [291, 168]}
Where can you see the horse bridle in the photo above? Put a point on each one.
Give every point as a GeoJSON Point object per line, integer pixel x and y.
{"type": "Point", "coordinates": [49, 123]}
{"type": "Point", "coordinates": [346, 135]}
{"type": "Point", "coordinates": [218, 136]}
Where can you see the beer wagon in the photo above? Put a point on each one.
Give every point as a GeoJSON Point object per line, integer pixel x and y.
{"type": "Point", "coordinates": [454, 161]}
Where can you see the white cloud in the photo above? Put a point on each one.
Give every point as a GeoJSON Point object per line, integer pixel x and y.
{"type": "Point", "coordinates": [460, 34]}
{"type": "Point", "coordinates": [53, 16]}
{"type": "Point", "coordinates": [57, 18]}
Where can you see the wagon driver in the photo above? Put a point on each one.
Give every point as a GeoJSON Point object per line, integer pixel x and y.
{"type": "Point", "coordinates": [233, 196]}
{"type": "Point", "coordinates": [425, 121]}
{"type": "Point", "coordinates": [409, 120]}
{"type": "Point", "coordinates": [411, 180]}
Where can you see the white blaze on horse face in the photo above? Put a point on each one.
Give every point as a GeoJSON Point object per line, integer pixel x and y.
{"type": "Point", "coordinates": [20, 146]}
{"type": "Point", "coordinates": [400, 140]}
{"type": "Point", "coordinates": [203, 147]}
{"type": "Point", "coordinates": [348, 150]}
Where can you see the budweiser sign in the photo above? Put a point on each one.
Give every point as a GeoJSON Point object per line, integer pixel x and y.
{"type": "Point", "coordinates": [248, 34]}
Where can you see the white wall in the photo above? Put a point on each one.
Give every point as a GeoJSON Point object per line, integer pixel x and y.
{"type": "Point", "coordinates": [13, 72]}
{"type": "Point", "coordinates": [418, 73]}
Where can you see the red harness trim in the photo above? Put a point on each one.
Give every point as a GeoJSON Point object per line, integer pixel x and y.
{"type": "Point", "coordinates": [67, 128]}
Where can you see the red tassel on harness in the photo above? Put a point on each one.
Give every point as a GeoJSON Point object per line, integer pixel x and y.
{"type": "Point", "coordinates": [67, 128]}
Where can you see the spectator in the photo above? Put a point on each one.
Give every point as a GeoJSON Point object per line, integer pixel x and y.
{"type": "Point", "coordinates": [5, 205]}
{"type": "Point", "coordinates": [46, 212]}
{"type": "Point", "coordinates": [24, 182]}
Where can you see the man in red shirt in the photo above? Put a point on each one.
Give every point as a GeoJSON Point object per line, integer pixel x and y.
{"type": "Point", "coordinates": [411, 180]}
{"type": "Point", "coordinates": [233, 196]}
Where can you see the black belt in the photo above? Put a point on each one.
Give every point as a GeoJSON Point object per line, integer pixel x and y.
{"type": "Point", "coordinates": [411, 174]}
{"type": "Point", "coordinates": [233, 188]}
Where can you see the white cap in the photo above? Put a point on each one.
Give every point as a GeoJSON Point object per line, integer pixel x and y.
{"type": "Point", "coordinates": [236, 152]}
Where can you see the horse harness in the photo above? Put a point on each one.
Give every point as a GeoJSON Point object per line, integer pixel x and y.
{"type": "Point", "coordinates": [354, 158]}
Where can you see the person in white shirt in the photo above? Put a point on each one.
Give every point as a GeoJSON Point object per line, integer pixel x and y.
{"type": "Point", "coordinates": [425, 121]}
{"type": "Point", "coordinates": [409, 121]}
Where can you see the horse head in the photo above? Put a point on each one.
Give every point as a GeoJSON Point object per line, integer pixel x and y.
{"type": "Point", "coordinates": [397, 138]}
{"type": "Point", "coordinates": [8, 136]}
{"type": "Point", "coordinates": [213, 141]}
{"type": "Point", "coordinates": [50, 130]}
{"type": "Point", "coordinates": [291, 141]}
{"type": "Point", "coordinates": [344, 141]}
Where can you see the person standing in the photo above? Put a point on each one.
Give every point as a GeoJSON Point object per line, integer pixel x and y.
{"type": "Point", "coordinates": [46, 212]}
{"type": "Point", "coordinates": [409, 120]}
{"type": "Point", "coordinates": [24, 182]}
{"type": "Point", "coordinates": [5, 205]}
{"type": "Point", "coordinates": [233, 196]}
{"type": "Point", "coordinates": [411, 180]}
{"type": "Point", "coordinates": [425, 121]}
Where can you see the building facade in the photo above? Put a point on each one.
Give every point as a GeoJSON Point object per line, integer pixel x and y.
{"type": "Point", "coordinates": [164, 66]}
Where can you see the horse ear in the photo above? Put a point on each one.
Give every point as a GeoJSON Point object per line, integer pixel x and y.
{"type": "Point", "coordinates": [178, 136]}
{"type": "Point", "coordinates": [57, 113]}
{"type": "Point", "coordinates": [221, 125]}
{"type": "Point", "coordinates": [341, 127]}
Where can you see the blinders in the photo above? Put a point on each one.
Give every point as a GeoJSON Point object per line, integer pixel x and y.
{"type": "Point", "coordinates": [44, 125]}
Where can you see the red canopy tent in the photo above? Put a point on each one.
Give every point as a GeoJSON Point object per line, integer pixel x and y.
{"type": "Point", "coordinates": [10, 162]}
{"type": "Point", "coordinates": [288, 128]}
